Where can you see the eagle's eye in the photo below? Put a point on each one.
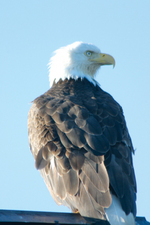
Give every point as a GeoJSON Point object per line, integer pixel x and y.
{"type": "Point", "coordinates": [88, 53]}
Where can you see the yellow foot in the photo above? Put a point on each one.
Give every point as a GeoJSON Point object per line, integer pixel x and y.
{"type": "Point", "coordinates": [75, 211]}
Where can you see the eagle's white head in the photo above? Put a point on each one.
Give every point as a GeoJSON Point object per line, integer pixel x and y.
{"type": "Point", "coordinates": [77, 60]}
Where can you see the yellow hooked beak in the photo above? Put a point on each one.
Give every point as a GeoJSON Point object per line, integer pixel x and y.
{"type": "Point", "coordinates": [103, 59]}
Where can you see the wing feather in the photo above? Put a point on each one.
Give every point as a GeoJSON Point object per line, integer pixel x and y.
{"type": "Point", "coordinates": [82, 148]}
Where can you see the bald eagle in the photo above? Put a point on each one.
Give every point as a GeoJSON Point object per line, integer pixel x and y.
{"type": "Point", "coordinates": [80, 141]}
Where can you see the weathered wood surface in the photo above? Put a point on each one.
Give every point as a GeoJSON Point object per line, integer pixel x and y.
{"type": "Point", "coordinates": [31, 217]}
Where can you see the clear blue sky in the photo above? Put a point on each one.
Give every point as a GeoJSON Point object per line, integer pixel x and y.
{"type": "Point", "coordinates": [30, 30]}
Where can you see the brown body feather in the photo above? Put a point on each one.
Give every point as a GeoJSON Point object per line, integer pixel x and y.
{"type": "Point", "coordinates": [81, 145]}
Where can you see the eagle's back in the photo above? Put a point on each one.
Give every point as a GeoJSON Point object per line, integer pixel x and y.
{"type": "Point", "coordinates": [81, 145]}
